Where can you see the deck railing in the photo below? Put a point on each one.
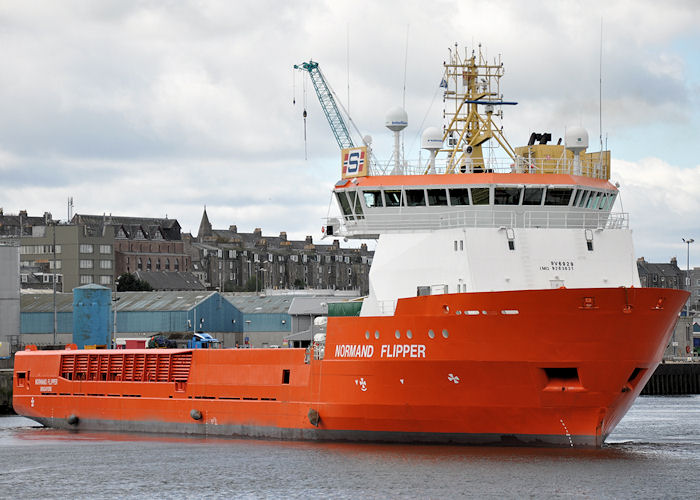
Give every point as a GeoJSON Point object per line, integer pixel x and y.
{"type": "Point", "coordinates": [410, 220]}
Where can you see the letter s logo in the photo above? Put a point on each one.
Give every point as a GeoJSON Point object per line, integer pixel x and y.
{"type": "Point", "coordinates": [354, 162]}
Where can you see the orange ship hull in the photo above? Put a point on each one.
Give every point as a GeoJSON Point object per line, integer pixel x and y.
{"type": "Point", "coordinates": [540, 367]}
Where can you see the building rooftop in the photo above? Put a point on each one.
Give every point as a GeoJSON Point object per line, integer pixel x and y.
{"type": "Point", "coordinates": [170, 280]}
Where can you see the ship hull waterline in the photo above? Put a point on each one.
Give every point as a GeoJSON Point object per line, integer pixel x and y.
{"type": "Point", "coordinates": [543, 367]}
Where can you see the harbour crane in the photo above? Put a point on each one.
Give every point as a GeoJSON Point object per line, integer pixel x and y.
{"type": "Point", "coordinates": [326, 97]}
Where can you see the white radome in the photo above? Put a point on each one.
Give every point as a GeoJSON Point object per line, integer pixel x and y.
{"type": "Point", "coordinates": [396, 119]}
{"type": "Point", "coordinates": [431, 139]}
{"type": "Point", "coordinates": [576, 139]}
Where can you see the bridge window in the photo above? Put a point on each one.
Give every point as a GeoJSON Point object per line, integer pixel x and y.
{"type": "Point", "coordinates": [355, 202]}
{"type": "Point", "coordinates": [437, 197]}
{"type": "Point", "coordinates": [415, 197]}
{"type": "Point", "coordinates": [344, 205]}
{"type": "Point", "coordinates": [373, 198]}
{"type": "Point", "coordinates": [582, 201]}
{"type": "Point", "coordinates": [558, 196]}
{"type": "Point", "coordinates": [392, 198]}
{"type": "Point", "coordinates": [593, 200]}
{"type": "Point", "coordinates": [506, 196]}
{"type": "Point", "coordinates": [480, 196]}
{"type": "Point", "coordinates": [459, 197]}
{"type": "Point", "coordinates": [579, 192]}
{"type": "Point", "coordinates": [533, 196]}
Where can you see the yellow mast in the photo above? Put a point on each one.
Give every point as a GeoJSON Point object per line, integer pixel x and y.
{"type": "Point", "coordinates": [473, 86]}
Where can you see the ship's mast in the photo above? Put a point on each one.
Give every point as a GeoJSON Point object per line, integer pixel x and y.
{"type": "Point", "coordinates": [472, 91]}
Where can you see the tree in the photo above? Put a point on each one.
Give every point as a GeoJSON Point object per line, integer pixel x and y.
{"type": "Point", "coordinates": [128, 282]}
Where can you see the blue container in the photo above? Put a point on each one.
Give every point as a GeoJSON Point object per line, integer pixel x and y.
{"type": "Point", "coordinates": [91, 314]}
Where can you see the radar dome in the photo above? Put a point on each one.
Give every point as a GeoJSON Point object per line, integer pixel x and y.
{"type": "Point", "coordinates": [396, 119]}
{"type": "Point", "coordinates": [576, 139]}
{"type": "Point", "coordinates": [431, 139]}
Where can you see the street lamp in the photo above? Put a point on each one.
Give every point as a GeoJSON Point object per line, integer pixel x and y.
{"type": "Point", "coordinates": [687, 271]}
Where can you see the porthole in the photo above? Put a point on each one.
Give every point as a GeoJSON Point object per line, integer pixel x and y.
{"type": "Point", "coordinates": [376, 334]}
{"type": "Point", "coordinates": [367, 334]}
{"type": "Point", "coordinates": [445, 333]}
{"type": "Point", "coordinates": [445, 308]}
{"type": "Point", "coordinates": [409, 334]}
{"type": "Point", "coordinates": [458, 313]}
{"type": "Point", "coordinates": [397, 334]}
{"type": "Point", "coordinates": [431, 334]}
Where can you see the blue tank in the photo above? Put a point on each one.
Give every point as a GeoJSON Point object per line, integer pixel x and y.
{"type": "Point", "coordinates": [91, 315]}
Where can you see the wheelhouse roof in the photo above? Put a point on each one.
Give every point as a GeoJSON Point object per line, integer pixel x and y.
{"type": "Point", "coordinates": [440, 180]}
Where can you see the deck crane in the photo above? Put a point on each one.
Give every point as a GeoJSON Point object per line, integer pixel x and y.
{"type": "Point", "coordinates": [328, 103]}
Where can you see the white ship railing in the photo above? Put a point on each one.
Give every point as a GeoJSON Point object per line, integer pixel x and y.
{"type": "Point", "coordinates": [567, 220]}
{"type": "Point", "coordinates": [373, 224]}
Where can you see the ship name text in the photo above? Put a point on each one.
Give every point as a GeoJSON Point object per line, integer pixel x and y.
{"type": "Point", "coordinates": [386, 351]}
{"type": "Point", "coordinates": [46, 384]}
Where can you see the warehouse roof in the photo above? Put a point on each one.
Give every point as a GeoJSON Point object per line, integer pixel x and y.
{"type": "Point", "coordinates": [250, 303]}
{"type": "Point", "coordinates": [43, 302]}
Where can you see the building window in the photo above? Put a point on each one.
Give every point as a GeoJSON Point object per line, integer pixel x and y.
{"type": "Point", "coordinates": [58, 264]}
{"type": "Point", "coordinates": [105, 280]}
{"type": "Point", "coordinates": [177, 265]}
{"type": "Point", "coordinates": [105, 248]}
{"type": "Point", "coordinates": [105, 264]}
{"type": "Point", "coordinates": [85, 264]}
{"type": "Point", "coordinates": [24, 277]}
{"type": "Point", "coordinates": [157, 264]}
{"type": "Point", "coordinates": [148, 264]}
{"type": "Point", "coordinates": [85, 248]}
{"type": "Point", "coordinates": [139, 264]}
{"type": "Point", "coordinates": [85, 279]}
{"type": "Point", "coordinates": [167, 264]}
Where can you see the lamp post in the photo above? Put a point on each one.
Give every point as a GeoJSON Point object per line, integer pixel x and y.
{"type": "Point", "coordinates": [687, 271]}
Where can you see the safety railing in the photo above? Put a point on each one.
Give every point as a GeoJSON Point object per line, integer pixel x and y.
{"type": "Point", "coordinates": [410, 220]}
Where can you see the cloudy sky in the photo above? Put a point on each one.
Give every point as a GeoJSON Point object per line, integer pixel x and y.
{"type": "Point", "coordinates": [158, 108]}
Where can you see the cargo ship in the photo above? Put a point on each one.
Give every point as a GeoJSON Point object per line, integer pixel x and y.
{"type": "Point", "coordinates": [504, 308]}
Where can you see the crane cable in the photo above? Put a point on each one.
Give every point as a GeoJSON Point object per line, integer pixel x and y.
{"type": "Point", "coordinates": [304, 114]}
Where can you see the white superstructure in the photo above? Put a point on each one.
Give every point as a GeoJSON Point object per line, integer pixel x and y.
{"type": "Point", "coordinates": [538, 218]}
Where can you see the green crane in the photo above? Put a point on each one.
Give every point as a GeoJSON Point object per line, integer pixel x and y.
{"type": "Point", "coordinates": [330, 108]}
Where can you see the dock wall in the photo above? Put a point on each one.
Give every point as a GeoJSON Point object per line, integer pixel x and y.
{"type": "Point", "coordinates": [6, 392]}
{"type": "Point", "coordinates": [674, 378]}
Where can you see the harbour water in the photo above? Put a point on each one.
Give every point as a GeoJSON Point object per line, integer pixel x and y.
{"type": "Point", "coordinates": [653, 453]}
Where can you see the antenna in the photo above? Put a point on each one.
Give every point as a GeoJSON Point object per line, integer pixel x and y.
{"type": "Point", "coordinates": [600, 88]}
{"type": "Point", "coordinates": [405, 66]}
{"type": "Point", "coordinates": [347, 59]}
{"type": "Point", "coordinates": [70, 208]}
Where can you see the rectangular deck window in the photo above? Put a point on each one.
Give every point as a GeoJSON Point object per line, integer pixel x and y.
{"type": "Point", "coordinates": [533, 196]}
{"type": "Point", "coordinates": [459, 197]}
{"type": "Point", "coordinates": [437, 197]}
{"type": "Point", "coordinates": [558, 197]}
{"type": "Point", "coordinates": [415, 197]}
{"type": "Point", "coordinates": [373, 199]}
{"type": "Point", "coordinates": [393, 198]}
{"type": "Point", "coordinates": [506, 196]}
{"type": "Point", "coordinates": [480, 196]}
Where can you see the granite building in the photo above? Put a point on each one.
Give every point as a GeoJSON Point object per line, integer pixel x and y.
{"type": "Point", "coordinates": [229, 260]}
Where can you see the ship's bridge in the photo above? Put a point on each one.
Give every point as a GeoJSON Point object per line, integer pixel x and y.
{"type": "Point", "coordinates": [374, 205]}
